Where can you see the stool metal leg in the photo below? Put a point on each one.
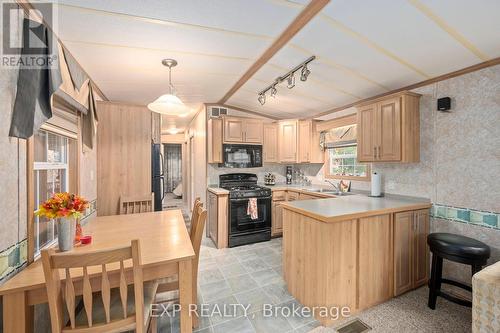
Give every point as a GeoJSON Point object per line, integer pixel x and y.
{"type": "Point", "coordinates": [435, 281]}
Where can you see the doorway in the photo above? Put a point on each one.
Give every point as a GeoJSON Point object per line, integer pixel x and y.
{"type": "Point", "coordinates": [173, 175]}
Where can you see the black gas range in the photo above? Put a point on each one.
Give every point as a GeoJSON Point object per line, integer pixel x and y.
{"type": "Point", "coordinates": [242, 228]}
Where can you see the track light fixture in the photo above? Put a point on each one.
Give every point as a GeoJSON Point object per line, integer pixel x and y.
{"type": "Point", "coordinates": [262, 99]}
{"type": "Point", "coordinates": [290, 81]}
{"type": "Point", "coordinates": [289, 77]}
{"type": "Point", "coordinates": [304, 73]}
{"type": "Point", "coordinates": [274, 91]}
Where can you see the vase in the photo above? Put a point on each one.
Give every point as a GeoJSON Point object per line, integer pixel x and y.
{"type": "Point", "coordinates": [66, 229]}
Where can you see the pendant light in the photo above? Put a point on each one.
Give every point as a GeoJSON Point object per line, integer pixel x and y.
{"type": "Point", "coordinates": [169, 104]}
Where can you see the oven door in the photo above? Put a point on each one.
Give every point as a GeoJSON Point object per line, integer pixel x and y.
{"type": "Point", "coordinates": [242, 156]}
{"type": "Point", "coordinates": [241, 222]}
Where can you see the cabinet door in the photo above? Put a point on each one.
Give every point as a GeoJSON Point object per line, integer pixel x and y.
{"type": "Point", "coordinates": [304, 142]}
{"type": "Point", "coordinates": [389, 130]}
{"type": "Point", "coordinates": [288, 141]}
{"type": "Point", "coordinates": [374, 260]}
{"type": "Point", "coordinates": [403, 252]}
{"type": "Point", "coordinates": [277, 218]}
{"type": "Point", "coordinates": [420, 249]}
{"type": "Point", "coordinates": [253, 131]}
{"type": "Point", "coordinates": [270, 143]}
{"type": "Point", "coordinates": [212, 217]}
{"type": "Point", "coordinates": [367, 127]}
{"type": "Point", "coordinates": [233, 130]}
{"type": "Point", "coordinates": [214, 137]}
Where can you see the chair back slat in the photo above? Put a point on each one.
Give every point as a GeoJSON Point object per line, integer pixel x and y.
{"type": "Point", "coordinates": [69, 296]}
{"type": "Point", "coordinates": [60, 298]}
{"type": "Point", "coordinates": [199, 225]}
{"type": "Point", "coordinates": [87, 295]}
{"type": "Point", "coordinates": [194, 217]}
{"type": "Point", "coordinates": [91, 258]}
{"type": "Point", "coordinates": [123, 290]}
{"type": "Point", "coordinates": [106, 293]}
{"type": "Point", "coordinates": [136, 204]}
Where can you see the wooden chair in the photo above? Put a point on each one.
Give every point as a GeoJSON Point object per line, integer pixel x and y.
{"type": "Point", "coordinates": [194, 216]}
{"type": "Point", "coordinates": [116, 312]}
{"type": "Point", "coordinates": [172, 283]}
{"type": "Point", "coordinates": [136, 204]}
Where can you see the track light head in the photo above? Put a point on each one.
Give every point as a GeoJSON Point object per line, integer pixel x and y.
{"type": "Point", "coordinates": [274, 91]}
{"type": "Point", "coordinates": [304, 73]}
{"type": "Point", "coordinates": [291, 81]}
{"type": "Point", "coordinates": [262, 99]}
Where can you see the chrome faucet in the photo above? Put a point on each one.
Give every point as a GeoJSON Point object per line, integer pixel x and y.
{"type": "Point", "coordinates": [337, 187]}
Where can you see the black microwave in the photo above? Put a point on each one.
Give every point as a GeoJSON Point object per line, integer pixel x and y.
{"type": "Point", "coordinates": [241, 156]}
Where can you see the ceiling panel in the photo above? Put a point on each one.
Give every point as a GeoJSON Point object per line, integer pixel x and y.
{"type": "Point", "coordinates": [319, 38]}
{"type": "Point", "coordinates": [101, 28]}
{"type": "Point", "coordinates": [477, 21]}
{"type": "Point", "coordinates": [401, 29]}
{"type": "Point", "coordinates": [255, 16]}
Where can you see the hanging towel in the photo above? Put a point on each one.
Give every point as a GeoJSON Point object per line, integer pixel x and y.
{"type": "Point", "coordinates": [252, 209]}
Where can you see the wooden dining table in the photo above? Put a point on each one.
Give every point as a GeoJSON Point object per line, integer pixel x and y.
{"type": "Point", "coordinates": [166, 250]}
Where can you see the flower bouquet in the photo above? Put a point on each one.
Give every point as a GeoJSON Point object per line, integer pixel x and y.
{"type": "Point", "coordinates": [64, 208]}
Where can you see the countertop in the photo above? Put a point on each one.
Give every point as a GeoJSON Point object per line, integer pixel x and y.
{"type": "Point", "coordinates": [217, 190]}
{"type": "Point", "coordinates": [343, 208]}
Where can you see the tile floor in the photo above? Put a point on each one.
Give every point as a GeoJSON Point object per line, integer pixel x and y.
{"type": "Point", "coordinates": [252, 275]}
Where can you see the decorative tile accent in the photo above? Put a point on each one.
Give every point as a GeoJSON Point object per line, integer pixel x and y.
{"type": "Point", "coordinates": [13, 258]}
{"type": "Point", "coordinates": [466, 215]}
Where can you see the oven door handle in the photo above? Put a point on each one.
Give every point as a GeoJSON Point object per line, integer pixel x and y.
{"type": "Point", "coordinates": [246, 199]}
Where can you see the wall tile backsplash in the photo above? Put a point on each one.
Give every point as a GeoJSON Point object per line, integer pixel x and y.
{"type": "Point", "coordinates": [465, 215]}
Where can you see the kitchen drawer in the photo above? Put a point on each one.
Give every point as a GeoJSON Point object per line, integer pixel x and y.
{"type": "Point", "coordinates": [304, 196]}
{"type": "Point", "coordinates": [279, 195]}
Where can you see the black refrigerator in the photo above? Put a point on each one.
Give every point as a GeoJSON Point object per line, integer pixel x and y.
{"type": "Point", "coordinates": [158, 178]}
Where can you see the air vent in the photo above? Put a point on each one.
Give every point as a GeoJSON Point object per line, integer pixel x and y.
{"type": "Point", "coordinates": [355, 326]}
{"type": "Point", "coordinates": [216, 111]}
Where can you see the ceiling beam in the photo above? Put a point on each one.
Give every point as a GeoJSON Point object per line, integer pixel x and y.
{"type": "Point", "coordinates": [306, 15]}
{"type": "Point", "coordinates": [473, 68]}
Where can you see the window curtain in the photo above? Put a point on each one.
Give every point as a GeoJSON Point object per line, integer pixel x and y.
{"type": "Point", "coordinates": [173, 166]}
{"type": "Point", "coordinates": [39, 89]}
{"type": "Point", "coordinates": [35, 86]}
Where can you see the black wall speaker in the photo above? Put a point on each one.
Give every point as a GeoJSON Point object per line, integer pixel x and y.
{"type": "Point", "coordinates": [444, 104]}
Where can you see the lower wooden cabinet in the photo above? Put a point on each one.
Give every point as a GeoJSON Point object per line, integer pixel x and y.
{"type": "Point", "coordinates": [277, 218]}
{"type": "Point", "coordinates": [374, 260]}
{"type": "Point", "coordinates": [411, 253]}
{"type": "Point", "coordinates": [217, 218]}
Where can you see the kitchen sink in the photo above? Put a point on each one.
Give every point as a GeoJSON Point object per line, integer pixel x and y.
{"type": "Point", "coordinates": [328, 191]}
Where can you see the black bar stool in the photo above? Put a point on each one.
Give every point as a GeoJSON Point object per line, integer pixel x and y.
{"type": "Point", "coordinates": [459, 249]}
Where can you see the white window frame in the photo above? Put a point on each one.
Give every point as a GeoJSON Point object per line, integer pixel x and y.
{"type": "Point", "coordinates": [327, 174]}
{"type": "Point", "coordinates": [40, 166]}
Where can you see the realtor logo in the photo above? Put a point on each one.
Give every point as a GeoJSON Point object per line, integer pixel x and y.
{"type": "Point", "coordinates": [28, 43]}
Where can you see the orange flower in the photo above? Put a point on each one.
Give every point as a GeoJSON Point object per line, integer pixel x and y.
{"type": "Point", "coordinates": [62, 205]}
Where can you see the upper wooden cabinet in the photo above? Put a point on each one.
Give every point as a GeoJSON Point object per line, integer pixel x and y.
{"type": "Point", "coordinates": [299, 142]}
{"type": "Point", "coordinates": [304, 142]}
{"type": "Point", "coordinates": [270, 147]}
{"type": "Point", "coordinates": [389, 129]}
{"type": "Point", "coordinates": [214, 140]}
{"type": "Point", "coordinates": [243, 130]}
{"type": "Point", "coordinates": [288, 141]}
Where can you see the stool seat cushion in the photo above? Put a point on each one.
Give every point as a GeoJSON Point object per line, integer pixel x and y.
{"type": "Point", "coordinates": [457, 245]}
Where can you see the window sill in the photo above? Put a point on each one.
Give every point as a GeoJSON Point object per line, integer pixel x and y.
{"type": "Point", "coordinates": [340, 177]}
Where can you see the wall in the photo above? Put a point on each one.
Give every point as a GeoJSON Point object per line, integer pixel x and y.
{"type": "Point", "coordinates": [196, 138]}
{"type": "Point", "coordinates": [13, 246]}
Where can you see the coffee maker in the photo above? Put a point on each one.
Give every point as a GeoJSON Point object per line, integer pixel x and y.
{"type": "Point", "coordinates": [289, 173]}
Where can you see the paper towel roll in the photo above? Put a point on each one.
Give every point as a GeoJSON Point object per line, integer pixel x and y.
{"type": "Point", "coordinates": [376, 184]}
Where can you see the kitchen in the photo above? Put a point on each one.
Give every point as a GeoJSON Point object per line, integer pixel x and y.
{"type": "Point", "coordinates": [282, 166]}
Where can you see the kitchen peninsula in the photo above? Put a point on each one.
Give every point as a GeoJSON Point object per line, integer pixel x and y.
{"type": "Point", "coordinates": [354, 251]}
